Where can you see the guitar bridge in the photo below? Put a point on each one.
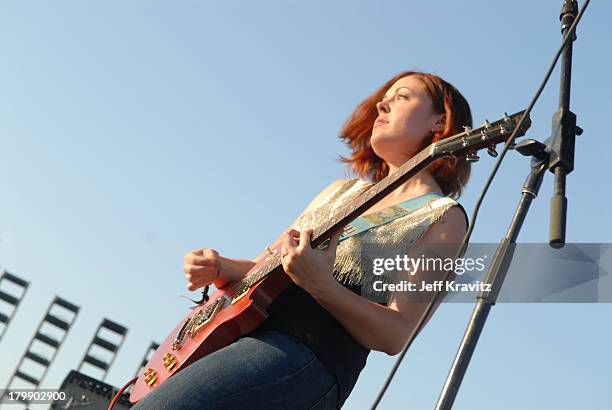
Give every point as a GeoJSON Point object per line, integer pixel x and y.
{"type": "Point", "coordinates": [179, 340]}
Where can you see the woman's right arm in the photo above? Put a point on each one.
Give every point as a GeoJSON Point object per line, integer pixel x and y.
{"type": "Point", "coordinates": [201, 265]}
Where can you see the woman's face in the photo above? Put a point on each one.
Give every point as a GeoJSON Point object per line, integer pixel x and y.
{"type": "Point", "coordinates": [405, 118]}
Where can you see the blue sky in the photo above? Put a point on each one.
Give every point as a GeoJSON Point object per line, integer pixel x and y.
{"type": "Point", "coordinates": [133, 132]}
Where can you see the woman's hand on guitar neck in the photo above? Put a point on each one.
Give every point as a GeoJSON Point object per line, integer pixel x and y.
{"type": "Point", "coordinates": [311, 269]}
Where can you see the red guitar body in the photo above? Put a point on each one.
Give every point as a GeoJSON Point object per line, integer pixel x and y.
{"type": "Point", "coordinates": [229, 314]}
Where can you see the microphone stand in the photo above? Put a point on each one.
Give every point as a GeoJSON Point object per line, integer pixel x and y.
{"type": "Point", "coordinates": [556, 155]}
{"type": "Point", "coordinates": [564, 131]}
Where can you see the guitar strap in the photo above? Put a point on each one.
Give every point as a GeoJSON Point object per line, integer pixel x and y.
{"type": "Point", "coordinates": [386, 215]}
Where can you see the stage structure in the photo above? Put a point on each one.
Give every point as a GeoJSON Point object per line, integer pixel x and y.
{"type": "Point", "coordinates": [10, 298]}
{"type": "Point", "coordinates": [107, 329]}
{"type": "Point", "coordinates": [49, 336]}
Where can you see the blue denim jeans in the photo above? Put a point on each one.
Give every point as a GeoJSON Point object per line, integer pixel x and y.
{"type": "Point", "coordinates": [263, 370]}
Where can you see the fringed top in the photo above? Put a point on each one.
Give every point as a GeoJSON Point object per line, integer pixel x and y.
{"type": "Point", "coordinates": [355, 256]}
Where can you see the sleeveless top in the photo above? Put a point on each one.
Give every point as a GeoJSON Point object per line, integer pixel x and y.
{"type": "Point", "coordinates": [297, 313]}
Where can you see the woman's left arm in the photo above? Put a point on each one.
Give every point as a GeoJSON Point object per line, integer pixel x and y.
{"type": "Point", "coordinates": [375, 326]}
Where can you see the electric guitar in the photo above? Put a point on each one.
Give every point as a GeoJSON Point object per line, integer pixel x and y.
{"type": "Point", "coordinates": [238, 309]}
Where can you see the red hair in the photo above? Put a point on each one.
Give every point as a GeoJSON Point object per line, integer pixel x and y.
{"type": "Point", "coordinates": [451, 173]}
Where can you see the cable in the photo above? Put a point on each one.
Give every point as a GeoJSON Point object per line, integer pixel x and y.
{"type": "Point", "coordinates": [568, 35]}
{"type": "Point", "coordinates": [120, 392]}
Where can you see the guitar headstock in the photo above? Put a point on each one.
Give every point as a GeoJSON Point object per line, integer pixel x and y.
{"type": "Point", "coordinates": [488, 136]}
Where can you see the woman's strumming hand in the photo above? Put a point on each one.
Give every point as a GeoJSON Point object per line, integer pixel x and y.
{"type": "Point", "coordinates": [202, 267]}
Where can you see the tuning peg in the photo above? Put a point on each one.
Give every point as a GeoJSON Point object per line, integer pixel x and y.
{"type": "Point", "coordinates": [486, 123]}
{"type": "Point", "coordinates": [491, 151]}
{"type": "Point", "coordinates": [471, 157]}
{"type": "Point", "coordinates": [507, 118]}
{"type": "Point", "coordinates": [467, 129]}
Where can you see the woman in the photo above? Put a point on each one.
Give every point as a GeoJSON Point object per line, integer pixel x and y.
{"type": "Point", "coordinates": [309, 352]}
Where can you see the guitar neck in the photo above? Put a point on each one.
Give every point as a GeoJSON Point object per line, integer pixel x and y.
{"type": "Point", "coordinates": [366, 200]}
